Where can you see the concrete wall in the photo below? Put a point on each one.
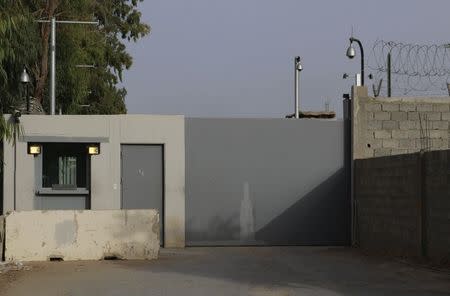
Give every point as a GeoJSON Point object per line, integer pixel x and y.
{"type": "Point", "coordinates": [403, 204]}
{"type": "Point", "coordinates": [392, 126]}
{"type": "Point", "coordinates": [111, 131]}
{"type": "Point", "coordinates": [266, 182]}
{"type": "Point", "coordinates": [82, 235]}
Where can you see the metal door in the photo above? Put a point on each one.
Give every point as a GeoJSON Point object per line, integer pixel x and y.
{"type": "Point", "coordinates": [143, 179]}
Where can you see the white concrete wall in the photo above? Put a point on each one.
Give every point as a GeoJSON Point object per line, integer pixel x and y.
{"type": "Point", "coordinates": [82, 235]}
{"type": "Point", "coordinates": [111, 131]}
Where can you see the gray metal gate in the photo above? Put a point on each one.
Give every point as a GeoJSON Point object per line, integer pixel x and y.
{"type": "Point", "coordinates": [266, 182]}
{"type": "Point", "coordinates": [143, 178]}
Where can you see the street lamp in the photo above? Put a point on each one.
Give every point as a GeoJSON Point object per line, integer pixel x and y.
{"type": "Point", "coordinates": [25, 79]}
{"type": "Point", "coordinates": [351, 53]}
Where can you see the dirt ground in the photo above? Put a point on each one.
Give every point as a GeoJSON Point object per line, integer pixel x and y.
{"type": "Point", "coordinates": [231, 271]}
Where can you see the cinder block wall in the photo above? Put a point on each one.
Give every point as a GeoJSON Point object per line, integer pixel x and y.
{"type": "Point", "coordinates": [437, 204]}
{"type": "Point", "coordinates": [403, 204]}
{"type": "Point", "coordinates": [387, 204]}
{"type": "Point", "coordinates": [392, 126]}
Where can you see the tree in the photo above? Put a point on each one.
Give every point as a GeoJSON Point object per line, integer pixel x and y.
{"type": "Point", "coordinates": [16, 49]}
{"type": "Point", "coordinates": [102, 46]}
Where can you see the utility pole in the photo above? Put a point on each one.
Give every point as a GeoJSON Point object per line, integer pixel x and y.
{"type": "Point", "coordinates": [53, 23]}
{"type": "Point", "coordinates": [53, 67]}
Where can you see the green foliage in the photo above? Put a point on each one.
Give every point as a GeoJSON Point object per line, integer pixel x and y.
{"type": "Point", "coordinates": [79, 90]}
{"type": "Point", "coordinates": [18, 47]}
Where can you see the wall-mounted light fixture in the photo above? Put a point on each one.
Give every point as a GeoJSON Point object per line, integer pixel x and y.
{"type": "Point", "coordinates": [34, 149]}
{"type": "Point", "coordinates": [93, 149]}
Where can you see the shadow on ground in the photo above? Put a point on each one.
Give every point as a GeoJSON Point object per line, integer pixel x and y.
{"type": "Point", "coordinates": [317, 270]}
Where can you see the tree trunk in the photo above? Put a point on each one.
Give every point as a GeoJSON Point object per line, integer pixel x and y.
{"type": "Point", "coordinates": [42, 68]}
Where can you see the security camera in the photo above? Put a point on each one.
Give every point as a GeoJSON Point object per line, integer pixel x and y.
{"type": "Point", "coordinates": [298, 65]}
{"type": "Point", "coordinates": [351, 52]}
{"type": "Point", "coordinates": [17, 115]}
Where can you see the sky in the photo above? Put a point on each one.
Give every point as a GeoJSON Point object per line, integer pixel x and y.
{"type": "Point", "coordinates": [234, 58]}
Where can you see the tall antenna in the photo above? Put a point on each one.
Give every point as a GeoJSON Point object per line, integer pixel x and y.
{"type": "Point", "coordinates": [53, 23]}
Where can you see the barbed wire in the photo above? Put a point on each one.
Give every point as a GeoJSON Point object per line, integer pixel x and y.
{"type": "Point", "coordinates": [415, 69]}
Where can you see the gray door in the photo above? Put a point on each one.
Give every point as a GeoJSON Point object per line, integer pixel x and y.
{"type": "Point", "coordinates": [142, 178]}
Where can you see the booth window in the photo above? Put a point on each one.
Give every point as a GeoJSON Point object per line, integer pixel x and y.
{"type": "Point", "coordinates": [64, 166]}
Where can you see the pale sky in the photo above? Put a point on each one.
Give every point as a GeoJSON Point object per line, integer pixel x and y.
{"type": "Point", "coordinates": [234, 58]}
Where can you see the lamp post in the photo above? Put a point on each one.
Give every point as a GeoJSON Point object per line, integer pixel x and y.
{"type": "Point", "coordinates": [298, 69]}
{"type": "Point", "coordinates": [25, 80]}
{"type": "Point", "coordinates": [351, 54]}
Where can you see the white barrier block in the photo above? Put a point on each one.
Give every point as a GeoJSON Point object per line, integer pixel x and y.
{"type": "Point", "coordinates": [81, 235]}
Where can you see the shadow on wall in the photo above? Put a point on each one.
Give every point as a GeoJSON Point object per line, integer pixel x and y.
{"type": "Point", "coordinates": [320, 217]}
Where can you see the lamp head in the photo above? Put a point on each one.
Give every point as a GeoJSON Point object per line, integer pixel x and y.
{"type": "Point", "coordinates": [351, 52]}
{"type": "Point", "coordinates": [24, 77]}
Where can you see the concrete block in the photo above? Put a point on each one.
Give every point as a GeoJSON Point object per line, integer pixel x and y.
{"type": "Point", "coordinates": [440, 125]}
{"type": "Point", "coordinates": [407, 125]}
{"type": "Point", "coordinates": [382, 152]}
{"type": "Point", "coordinates": [438, 134]}
{"type": "Point", "coordinates": [424, 107]}
{"type": "Point", "coordinates": [373, 106]}
{"type": "Point", "coordinates": [399, 115]}
{"type": "Point", "coordinates": [382, 134]}
{"type": "Point", "coordinates": [369, 135]}
{"type": "Point", "coordinates": [413, 116]}
{"type": "Point", "coordinates": [390, 107]}
{"type": "Point", "coordinates": [375, 143]}
{"type": "Point", "coordinates": [407, 107]}
{"type": "Point", "coordinates": [399, 151]}
{"type": "Point", "coordinates": [414, 150]}
{"type": "Point", "coordinates": [422, 143]}
{"type": "Point", "coordinates": [382, 115]}
{"type": "Point", "coordinates": [414, 134]}
{"type": "Point", "coordinates": [82, 235]}
{"type": "Point", "coordinates": [407, 143]}
{"type": "Point", "coordinates": [441, 107]}
{"type": "Point", "coordinates": [390, 124]}
{"type": "Point", "coordinates": [390, 143]}
{"type": "Point", "coordinates": [445, 115]}
{"type": "Point", "coordinates": [374, 125]}
{"type": "Point", "coordinates": [430, 116]}
{"type": "Point", "coordinates": [400, 134]}
{"type": "Point", "coordinates": [439, 143]}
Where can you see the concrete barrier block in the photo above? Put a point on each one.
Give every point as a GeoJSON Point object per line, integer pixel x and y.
{"type": "Point", "coordinates": [82, 235]}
